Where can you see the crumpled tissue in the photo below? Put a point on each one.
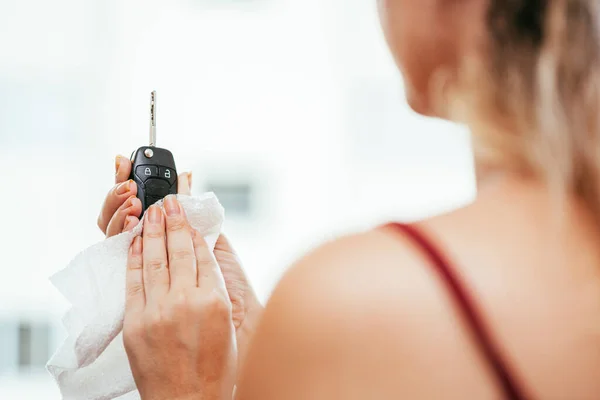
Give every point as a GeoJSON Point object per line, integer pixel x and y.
{"type": "Point", "coordinates": [91, 364]}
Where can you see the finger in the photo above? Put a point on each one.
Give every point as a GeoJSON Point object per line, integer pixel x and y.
{"type": "Point", "coordinates": [156, 273]}
{"type": "Point", "coordinates": [182, 259]}
{"type": "Point", "coordinates": [122, 169]}
{"type": "Point", "coordinates": [134, 299]}
{"type": "Point", "coordinates": [131, 207]}
{"type": "Point", "coordinates": [184, 183]}
{"type": "Point", "coordinates": [209, 274]}
{"type": "Point", "coordinates": [223, 244]}
{"type": "Point", "coordinates": [130, 223]}
{"type": "Point", "coordinates": [115, 199]}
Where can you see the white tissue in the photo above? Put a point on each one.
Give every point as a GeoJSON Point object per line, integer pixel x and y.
{"type": "Point", "coordinates": [92, 364]}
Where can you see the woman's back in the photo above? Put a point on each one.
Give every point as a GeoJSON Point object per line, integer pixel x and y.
{"type": "Point", "coordinates": [536, 279]}
{"type": "Point", "coordinates": [372, 317]}
{"type": "Point", "coordinates": [380, 323]}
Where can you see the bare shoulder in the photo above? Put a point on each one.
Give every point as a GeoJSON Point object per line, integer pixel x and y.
{"type": "Point", "coordinates": [530, 261]}
{"type": "Point", "coordinates": [386, 266]}
{"type": "Point", "coordinates": [366, 316]}
{"type": "Point", "coordinates": [360, 317]}
{"type": "Point", "coordinates": [507, 225]}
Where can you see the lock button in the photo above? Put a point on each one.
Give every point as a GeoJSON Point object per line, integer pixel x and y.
{"type": "Point", "coordinates": [145, 172]}
{"type": "Point", "coordinates": [168, 174]}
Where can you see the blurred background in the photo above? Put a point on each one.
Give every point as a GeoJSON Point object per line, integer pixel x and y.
{"type": "Point", "coordinates": [290, 110]}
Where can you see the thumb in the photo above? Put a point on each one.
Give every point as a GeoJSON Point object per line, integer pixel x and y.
{"type": "Point", "coordinates": [223, 244]}
{"type": "Point", "coordinates": [122, 169]}
{"type": "Point", "coordinates": [184, 183]}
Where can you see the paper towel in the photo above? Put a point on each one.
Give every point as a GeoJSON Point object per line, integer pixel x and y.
{"type": "Point", "coordinates": [92, 364]}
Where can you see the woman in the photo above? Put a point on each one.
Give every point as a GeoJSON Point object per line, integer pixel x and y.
{"type": "Point", "coordinates": [500, 298]}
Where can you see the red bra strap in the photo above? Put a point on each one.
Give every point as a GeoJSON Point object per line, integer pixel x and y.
{"type": "Point", "coordinates": [467, 307]}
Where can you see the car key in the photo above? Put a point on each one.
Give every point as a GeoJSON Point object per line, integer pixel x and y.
{"type": "Point", "coordinates": [152, 168]}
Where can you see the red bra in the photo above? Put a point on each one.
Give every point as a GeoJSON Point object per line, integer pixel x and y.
{"type": "Point", "coordinates": [468, 310]}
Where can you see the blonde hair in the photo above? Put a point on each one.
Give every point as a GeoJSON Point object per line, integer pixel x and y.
{"type": "Point", "coordinates": [540, 77]}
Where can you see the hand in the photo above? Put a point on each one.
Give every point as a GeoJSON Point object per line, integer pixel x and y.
{"type": "Point", "coordinates": [119, 213]}
{"type": "Point", "coordinates": [121, 209]}
{"type": "Point", "coordinates": [246, 309]}
{"type": "Point", "coordinates": [178, 329]}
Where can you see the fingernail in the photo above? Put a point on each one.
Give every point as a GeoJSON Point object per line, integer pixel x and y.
{"type": "Point", "coordinates": [118, 161]}
{"type": "Point", "coordinates": [124, 187]}
{"type": "Point", "coordinates": [171, 205]}
{"type": "Point", "coordinates": [129, 202]}
{"type": "Point", "coordinates": [154, 214]}
{"type": "Point", "coordinates": [137, 246]}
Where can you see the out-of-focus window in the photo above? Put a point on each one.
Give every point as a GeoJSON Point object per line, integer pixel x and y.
{"type": "Point", "coordinates": [34, 344]}
{"type": "Point", "coordinates": [235, 197]}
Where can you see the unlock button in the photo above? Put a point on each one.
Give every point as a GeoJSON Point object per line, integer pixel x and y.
{"type": "Point", "coordinates": [168, 174]}
{"type": "Point", "coordinates": [146, 171]}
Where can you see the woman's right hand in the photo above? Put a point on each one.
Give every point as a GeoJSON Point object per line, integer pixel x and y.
{"type": "Point", "coordinates": [177, 329]}
{"type": "Point", "coordinates": [120, 213]}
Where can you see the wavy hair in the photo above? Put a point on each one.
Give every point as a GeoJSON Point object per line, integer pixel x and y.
{"type": "Point", "coordinates": [534, 96]}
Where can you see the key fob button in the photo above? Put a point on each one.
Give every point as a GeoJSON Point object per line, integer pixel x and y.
{"type": "Point", "coordinates": [157, 187]}
{"type": "Point", "coordinates": [168, 173]}
{"type": "Point", "coordinates": [145, 172]}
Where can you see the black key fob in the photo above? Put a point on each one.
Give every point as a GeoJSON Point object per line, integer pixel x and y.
{"type": "Point", "coordinates": [153, 170]}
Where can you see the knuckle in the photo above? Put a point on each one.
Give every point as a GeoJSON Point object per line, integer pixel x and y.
{"type": "Point", "coordinates": [135, 263]}
{"type": "Point", "coordinates": [135, 289]}
{"type": "Point", "coordinates": [205, 262]}
{"type": "Point", "coordinates": [154, 233]}
{"type": "Point", "coordinates": [177, 223]}
{"type": "Point", "coordinates": [181, 303]}
{"type": "Point", "coordinates": [181, 255]}
{"type": "Point", "coordinates": [155, 320]}
{"type": "Point", "coordinates": [124, 210]}
{"type": "Point", "coordinates": [181, 299]}
{"type": "Point", "coordinates": [113, 192]}
{"type": "Point", "coordinates": [217, 304]}
{"type": "Point", "coordinates": [156, 264]}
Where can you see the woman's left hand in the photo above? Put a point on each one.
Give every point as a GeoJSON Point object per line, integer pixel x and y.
{"type": "Point", "coordinates": [178, 330]}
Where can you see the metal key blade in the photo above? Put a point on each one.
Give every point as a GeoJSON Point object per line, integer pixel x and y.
{"type": "Point", "coordinates": [153, 118]}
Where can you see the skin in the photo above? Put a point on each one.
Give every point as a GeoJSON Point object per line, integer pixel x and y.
{"type": "Point", "coordinates": [176, 294]}
{"type": "Point", "coordinates": [366, 317]}
{"type": "Point", "coordinates": [120, 212]}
